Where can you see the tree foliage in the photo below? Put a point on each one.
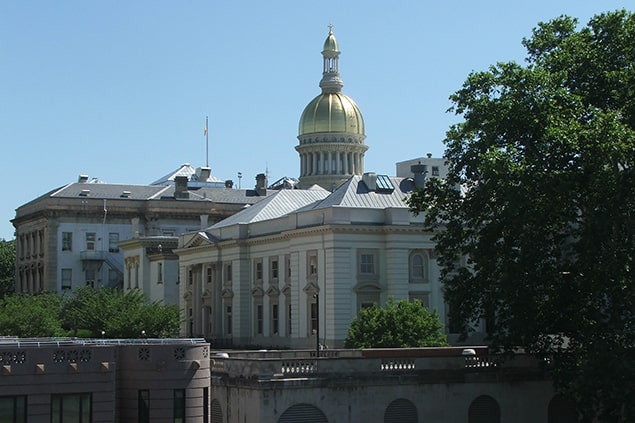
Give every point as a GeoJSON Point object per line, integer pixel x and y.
{"type": "Point", "coordinates": [115, 314]}
{"type": "Point", "coordinates": [89, 313]}
{"type": "Point", "coordinates": [535, 220]}
{"type": "Point", "coordinates": [25, 315]}
{"type": "Point", "coordinates": [399, 325]}
{"type": "Point", "coordinates": [7, 267]}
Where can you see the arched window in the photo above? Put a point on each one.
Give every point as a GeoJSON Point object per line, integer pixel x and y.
{"type": "Point", "coordinates": [418, 267]}
{"type": "Point", "coordinates": [401, 411]}
{"type": "Point", "coordinates": [484, 409]}
{"type": "Point", "coordinates": [305, 413]}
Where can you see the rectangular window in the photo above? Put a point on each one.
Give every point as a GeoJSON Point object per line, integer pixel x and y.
{"type": "Point", "coordinates": [159, 272]}
{"type": "Point", "coordinates": [143, 404]}
{"type": "Point", "coordinates": [313, 265]}
{"type": "Point", "coordinates": [67, 241]}
{"type": "Point", "coordinates": [435, 170]}
{"type": "Point", "coordinates": [259, 270]}
{"type": "Point", "coordinates": [90, 241]}
{"type": "Point", "coordinates": [274, 269]}
{"type": "Point", "coordinates": [228, 319]}
{"type": "Point", "coordinates": [90, 278]}
{"type": "Point", "coordinates": [366, 264]}
{"type": "Point", "coordinates": [67, 278]}
{"type": "Point", "coordinates": [209, 274]}
{"type": "Point", "coordinates": [274, 318]}
{"type": "Point", "coordinates": [113, 241]}
{"type": "Point", "coordinates": [313, 318]}
{"type": "Point", "coordinates": [228, 273]}
{"type": "Point", "coordinates": [190, 277]}
{"type": "Point", "coordinates": [179, 406]}
{"type": "Point", "coordinates": [75, 408]}
{"type": "Point", "coordinates": [287, 264]}
{"type": "Point", "coordinates": [422, 297]}
{"type": "Point", "coordinates": [13, 409]}
{"type": "Point", "coordinates": [289, 314]}
{"type": "Point", "coordinates": [259, 319]}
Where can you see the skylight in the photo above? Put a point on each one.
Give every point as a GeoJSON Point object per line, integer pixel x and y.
{"type": "Point", "coordinates": [384, 184]}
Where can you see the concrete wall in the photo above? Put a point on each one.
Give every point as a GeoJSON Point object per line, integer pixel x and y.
{"type": "Point", "coordinates": [111, 371]}
{"type": "Point", "coordinates": [360, 385]}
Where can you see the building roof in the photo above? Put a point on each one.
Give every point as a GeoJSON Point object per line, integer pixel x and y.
{"type": "Point", "coordinates": [274, 206]}
{"type": "Point", "coordinates": [192, 174]}
{"type": "Point", "coordinates": [355, 193]}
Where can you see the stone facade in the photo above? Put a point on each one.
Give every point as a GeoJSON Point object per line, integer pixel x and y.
{"type": "Point", "coordinates": [413, 385]}
{"type": "Point", "coordinates": [105, 380]}
{"type": "Point", "coordinates": [272, 273]}
{"type": "Point", "coordinates": [70, 236]}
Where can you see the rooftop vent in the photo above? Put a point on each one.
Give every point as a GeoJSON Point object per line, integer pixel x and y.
{"type": "Point", "coordinates": [370, 180]}
{"type": "Point", "coordinates": [84, 193]}
{"type": "Point", "coordinates": [203, 173]}
{"type": "Point", "coordinates": [419, 171]}
{"type": "Point", "coordinates": [125, 194]}
{"type": "Point", "coordinates": [82, 179]}
{"type": "Point", "coordinates": [180, 187]}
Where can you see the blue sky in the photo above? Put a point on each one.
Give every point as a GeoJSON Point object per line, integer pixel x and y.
{"type": "Point", "coordinates": [119, 90]}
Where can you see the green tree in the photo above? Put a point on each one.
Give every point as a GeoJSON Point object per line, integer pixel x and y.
{"type": "Point", "coordinates": [403, 324]}
{"type": "Point", "coordinates": [119, 315]}
{"type": "Point", "coordinates": [7, 267]}
{"type": "Point", "coordinates": [26, 315]}
{"type": "Point", "coordinates": [534, 223]}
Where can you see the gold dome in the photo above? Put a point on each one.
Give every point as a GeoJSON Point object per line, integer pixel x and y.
{"type": "Point", "coordinates": [331, 113]}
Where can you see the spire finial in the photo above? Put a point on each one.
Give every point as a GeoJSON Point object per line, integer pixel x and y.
{"type": "Point", "coordinates": [330, 28]}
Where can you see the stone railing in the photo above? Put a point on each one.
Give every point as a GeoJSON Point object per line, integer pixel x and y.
{"type": "Point", "coordinates": [304, 363]}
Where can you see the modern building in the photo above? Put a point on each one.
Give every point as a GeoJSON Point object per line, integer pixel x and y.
{"type": "Point", "coordinates": [70, 236]}
{"type": "Point", "coordinates": [105, 380]}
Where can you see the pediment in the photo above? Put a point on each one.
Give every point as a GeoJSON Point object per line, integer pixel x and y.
{"type": "Point", "coordinates": [368, 287]}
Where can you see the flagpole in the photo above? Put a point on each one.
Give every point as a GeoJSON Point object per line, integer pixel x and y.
{"type": "Point", "coordinates": [206, 143]}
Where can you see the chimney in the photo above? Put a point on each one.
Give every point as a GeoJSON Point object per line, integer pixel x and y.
{"type": "Point", "coordinates": [204, 220]}
{"type": "Point", "coordinates": [203, 173]}
{"type": "Point", "coordinates": [82, 179]}
{"type": "Point", "coordinates": [180, 187]}
{"type": "Point", "coordinates": [419, 171]}
{"type": "Point", "coordinates": [370, 179]}
{"type": "Point", "coordinates": [261, 184]}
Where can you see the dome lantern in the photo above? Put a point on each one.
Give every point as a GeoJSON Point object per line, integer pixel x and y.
{"type": "Point", "coordinates": [331, 81]}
